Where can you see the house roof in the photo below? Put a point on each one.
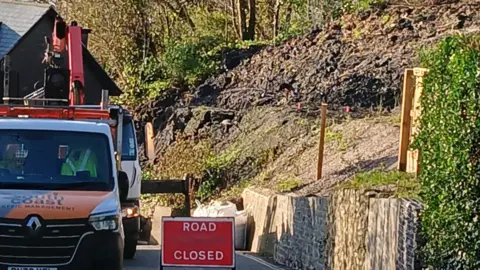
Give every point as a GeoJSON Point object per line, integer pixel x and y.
{"type": "Point", "coordinates": [17, 18]}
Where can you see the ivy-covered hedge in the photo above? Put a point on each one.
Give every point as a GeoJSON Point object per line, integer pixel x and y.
{"type": "Point", "coordinates": [449, 140]}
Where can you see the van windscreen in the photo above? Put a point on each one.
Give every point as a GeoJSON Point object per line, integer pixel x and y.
{"type": "Point", "coordinates": [45, 159]}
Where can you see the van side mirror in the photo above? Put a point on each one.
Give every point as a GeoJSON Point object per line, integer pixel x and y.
{"type": "Point", "coordinates": [123, 185]}
{"type": "Point", "coordinates": [149, 143]}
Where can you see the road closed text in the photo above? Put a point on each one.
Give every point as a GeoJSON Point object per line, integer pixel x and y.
{"type": "Point", "coordinates": [198, 255]}
{"type": "Point", "coordinates": [199, 227]}
{"type": "Point", "coordinates": [198, 241]}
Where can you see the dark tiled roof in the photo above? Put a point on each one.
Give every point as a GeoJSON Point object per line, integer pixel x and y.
{"type": "Point", "coordinates": [17, 18]}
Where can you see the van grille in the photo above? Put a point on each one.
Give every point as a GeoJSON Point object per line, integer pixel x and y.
{"type": "Point", "coordinates": [53, 243]}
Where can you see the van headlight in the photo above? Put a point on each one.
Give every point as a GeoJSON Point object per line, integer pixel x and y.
{"type": "Point", "coordinates": [105, 222]}
{"type": "Point", "coordinates": [130, 212]}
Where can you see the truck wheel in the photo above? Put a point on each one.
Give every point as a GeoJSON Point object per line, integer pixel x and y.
{"type": "Point", "coordinates": [130, 249]}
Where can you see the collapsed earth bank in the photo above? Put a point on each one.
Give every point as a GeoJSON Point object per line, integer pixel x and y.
{"type": "Point", "coordinates": [268, 104]}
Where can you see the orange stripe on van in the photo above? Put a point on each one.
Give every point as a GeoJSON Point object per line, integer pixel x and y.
{"type": "Point", "coordinates": [58, 204]}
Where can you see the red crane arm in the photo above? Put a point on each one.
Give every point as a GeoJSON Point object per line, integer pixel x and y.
{"type": "Point", "coordinates": [72, 35]}
{"type": "Point", "coordinates": [75, 64]}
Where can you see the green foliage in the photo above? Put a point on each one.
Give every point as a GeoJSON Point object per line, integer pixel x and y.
{"type": "Point", "coordinates": [406, 186]}
{"type": "Point", "coordinates": [216, 168]}
{"type": "Point", "coordinates": [360, 5]}
{"type": "Point", "coordinates": [334, 136]}
{"type": "Point", "coordinates": [386, 19]}
{"type": "Point", "coordinates": [196, 158]}
{"type": "Point", "coordinates": [144, 81]}
{"type": "Point", "coordinates": [192, 60]}
{"type": "Point", "coordinates": [357, 33]}
{"type": "Point", "coordinates": [449, 142]}
{"type": "Point", "coordinates": [287, 184]}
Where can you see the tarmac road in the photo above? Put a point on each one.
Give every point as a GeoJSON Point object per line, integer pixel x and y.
{"type": "Point", "coordinates": [148, 258]}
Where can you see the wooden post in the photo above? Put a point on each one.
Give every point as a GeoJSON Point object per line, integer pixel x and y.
{"type": "Point", "coordinates": [407, 96]}
{"type": "Point", "coordinates": [187, 194]}
{"type": "Point", "coordinates": [413, 156]}
{"type": "Point", "coordinates": [322, 141]}
{"type": "Point", "coordinates": [149, 143]}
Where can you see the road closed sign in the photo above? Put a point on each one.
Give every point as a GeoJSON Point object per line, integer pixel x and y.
{"type": "Point", "coordinates": [198, 242]}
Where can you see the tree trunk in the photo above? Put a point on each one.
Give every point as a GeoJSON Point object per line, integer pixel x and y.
{"type": "Point", "coordinates": [236, 25]}
{"type": "Point", "coordinates": [242, 14]}
{"type": "Point", "coordinates": [250, 33]}
{"type": "Point", "coordinates": [182, 12]}
{"type": "Point", "coordinates": [276, 19]}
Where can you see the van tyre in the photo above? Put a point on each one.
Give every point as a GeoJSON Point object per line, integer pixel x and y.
{"type": "Point", "coordinates": [130, 249]}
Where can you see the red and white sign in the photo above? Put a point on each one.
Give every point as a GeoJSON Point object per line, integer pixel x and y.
{"type": "Point", "coordinates": [195, 241]}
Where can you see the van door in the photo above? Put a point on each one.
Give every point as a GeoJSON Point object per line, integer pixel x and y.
{"type": "Point", "coordinates": [130, 161]}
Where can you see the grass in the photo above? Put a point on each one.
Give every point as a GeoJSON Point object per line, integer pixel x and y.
{"type": "Point", "coordinates": [357, 33]}
{"type": "Point", "coordinates": [331, 135]}
{"type": "Point", "coordinates": [385, 19]}
{"type": "Point", "coordinates": [234, 191]}
{"type": "Point", "coordinates": [393, 119]}
{"type": "Point", "coordinates": [406, 184]}
{"type": "Point", "coordinates": [287, 184]}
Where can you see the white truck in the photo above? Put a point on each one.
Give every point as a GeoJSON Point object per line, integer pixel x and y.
{"type": "Point", "coordinates": [54, 219]}
{"type": "Point", "coordinates": [127, 147]}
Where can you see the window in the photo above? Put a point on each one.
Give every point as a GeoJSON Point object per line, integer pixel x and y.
{"type": "Point", "coordinates": [129, 145]}
{"type": "Point", "coordinates": [44, 159]}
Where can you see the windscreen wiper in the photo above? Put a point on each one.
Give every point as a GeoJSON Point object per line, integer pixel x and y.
{"type": "Point", "coordinates": [11, 185]}
{"type": "Point", "coordinates": [82, 184]}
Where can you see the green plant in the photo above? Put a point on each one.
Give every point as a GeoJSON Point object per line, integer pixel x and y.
{"type": "Point", "coordinates": [449, 140]}
{"type": "Point", "coordinates": [359, 5]}
{"type": "Point", "coordinates": [287, 184]}
{"type": "Point", "coordinates": [406, 186]}
{"type": "Point", "coordinates": [334, 136]}
{"type": "Point", "coordinates": [143, 81]}
{"type": "Point", "coordinates": [385, 19]}
{"type": "Point", "coordinates": [357, 33]}
{"type": "Point", "coordinates": [192, 60]}
{"type": "Point", "coordinates": [185, 156]}
{"type": "Point", "coordinates": [148, 173]}
{"type": "Point", "coordinates": [215, 173]}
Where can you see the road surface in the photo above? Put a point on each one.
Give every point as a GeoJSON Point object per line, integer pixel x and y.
{"type": "Point", "coordinates": [148, 258]}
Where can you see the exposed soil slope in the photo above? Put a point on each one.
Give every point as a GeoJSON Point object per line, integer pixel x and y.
{"type": "Point", "coordinates": [357, 61]}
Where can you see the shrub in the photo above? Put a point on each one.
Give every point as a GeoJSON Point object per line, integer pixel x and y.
{"type": "Point", "coordinates": [199, 160]}
{"type": "Point", "coordinates": [192, 60]}
{"type": "Point", "coordinates": [449, 142]}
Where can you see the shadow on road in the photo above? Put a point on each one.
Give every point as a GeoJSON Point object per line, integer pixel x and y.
{"type": "Point", "coordinates": [147, 258]}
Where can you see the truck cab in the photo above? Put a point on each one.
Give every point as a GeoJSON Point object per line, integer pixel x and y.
{"type": "Point", "coordinates": [59, 207]}
{"type": "Point", "coordinates": [130, 164]}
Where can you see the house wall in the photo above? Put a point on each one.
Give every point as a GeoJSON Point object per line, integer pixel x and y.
{"type": "Point", "coordinates": [26, 60]}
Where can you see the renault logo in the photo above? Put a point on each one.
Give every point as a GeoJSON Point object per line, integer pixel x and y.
{"type": "Point", "coordinates": [34, 224]}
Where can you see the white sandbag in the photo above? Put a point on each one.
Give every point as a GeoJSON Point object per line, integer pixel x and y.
{"type": "Point", "coordinates": [226, 209]}
{"type": "Point", "coordinates": [241, 230]}
{"type": "Point", "coordinates": [215, 209]}
{"type": "Point", "coordinates": [201, 210]}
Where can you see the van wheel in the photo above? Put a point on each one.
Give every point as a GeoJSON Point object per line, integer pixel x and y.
{"type": "Point", "coordinates": [130, 249]}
